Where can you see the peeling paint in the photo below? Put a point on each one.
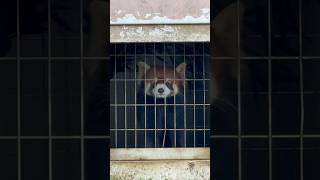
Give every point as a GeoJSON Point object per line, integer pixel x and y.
{"type": "Point", "coordinates": [118, 12]}
{"type": "Point", "coordinates": [188, 19]}
{"type": "Point", "coordinates": [160, 20]}
{"type": "Point", "coordinates": [160, 33]}
{"type": "Point", "coordinates": [205, 10]}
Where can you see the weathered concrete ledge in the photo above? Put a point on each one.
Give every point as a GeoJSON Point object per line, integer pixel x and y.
{"type": "Point", "coordinates": [136, 154]}
{"type": "Point", "coordinates": [160, 164]}
{"type": "Point", "coordinates": [160, 170]}
{"type": "Point", "coordinates": [159, 33]}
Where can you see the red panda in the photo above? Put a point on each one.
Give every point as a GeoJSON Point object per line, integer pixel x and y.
{"type": "Point", "coordinates": [163, 86]}
{"type": "Point", "coordinates": [160, 81]}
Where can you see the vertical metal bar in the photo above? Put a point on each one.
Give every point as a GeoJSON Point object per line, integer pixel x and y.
{"type": "Point", "coordinates": [184, 103]}
{"type": "Point", "coordinates": [155, 100]}
{"type": "Point", "coordinates": [115, 99]}
{"type": "Point", "coordinates": [165, 100]}
{"type": "Point", "coordinates": [204, 95]}
{"type": "Point", "coordinates": [301, 92]}
{"type": "Point", "coordinates": [125, 95]}
{"type": "Point", "coordinates": [239, 94]}
{"type": "Point", "coordinates": [49, 91]}
{"type": "Point", "coordinates": [269, 94]}
{"type": "Point", "coordinates": [135, 98]}
{"type": "Point", "coordinates": [174, 99]}
{"type": "Point", "coordinates": [18, 94]}
{"type": "Point", "coordinates": [194, 100]}
{"type": "Point", "coordinates": [145, 103]}
{"type": "Point", "coordinates": [82, 90]}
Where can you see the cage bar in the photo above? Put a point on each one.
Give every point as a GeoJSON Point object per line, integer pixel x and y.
{"type": "Point", "coordinates": [170, 59]}
{"type": "Point", "coordinates": [135, 98]}
{"type": "Point", "coordinates": [270, 171]}
{"type": "Point", "coordinates": [82, 92]}
{"type": "Point", "coordinates": [49, 92]}
{"type": "Point", "coordinates": [18, 94]}
{"type": "Point", "coordinates": [301, 131]}
{"type": "Point", "coordinates": [239, 93]}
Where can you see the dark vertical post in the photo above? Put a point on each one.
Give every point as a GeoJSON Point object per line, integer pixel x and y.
{"type": "Point", "coordinates": [49, 92]}
{"type": "Point", "coordinates": [239, 93]}
{"type": "Point", "coordinates": [301, 92]}
{"type": "Point", "coordinates": [18, 93]}
{"type": "Point", "coordinates": [269, 94]}
{"type": "Point", "coordinates": [82, 90]}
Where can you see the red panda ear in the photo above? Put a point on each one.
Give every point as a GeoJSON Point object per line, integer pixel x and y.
{"type": "Point", "coordinates": [181, 69]}
{"type": "Point", "coordinates": [142, 68]}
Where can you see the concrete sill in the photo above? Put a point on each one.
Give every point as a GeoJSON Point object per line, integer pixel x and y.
{"type": "Point", "coordinates": [147, 154]}
{"type": "Point", "coordinates": [160, 164]}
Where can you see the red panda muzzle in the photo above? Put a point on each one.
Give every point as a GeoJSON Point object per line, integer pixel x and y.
{"type": "Point", "coordinates": [161, 82]}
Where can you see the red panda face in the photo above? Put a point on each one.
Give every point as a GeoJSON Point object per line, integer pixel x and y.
{"type": "Point", "coordinates": [161, 82]}
{"type": "Point", "coordinates": [161, 88]}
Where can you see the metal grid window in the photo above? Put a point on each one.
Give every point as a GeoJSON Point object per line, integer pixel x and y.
{"type": "Point", "coordinates": [263, 126]}
{"type": "Point", "coordinates": [192, 108]}
{"type": "Point", "coordinates": [273, 148]}
{"type": "Point", "coordinates": [47, 129]}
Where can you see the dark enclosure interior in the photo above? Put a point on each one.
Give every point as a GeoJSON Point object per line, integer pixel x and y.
{"type": "Point", "coordinates": [53, 90]}
{"type": "Point", "coordinates": [187, 114]}
{"type": "Point", "coordinates": [265, 113]}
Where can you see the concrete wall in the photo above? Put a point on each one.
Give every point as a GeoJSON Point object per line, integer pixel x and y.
{"type": "Point", "coordinates": [160, 33]}
{"type": "Point", "coordinates": [159, 20]}
{"type": "Point", "coordinates": [160, 163]}
{"type": "Point", "coordinates": [160, 170]}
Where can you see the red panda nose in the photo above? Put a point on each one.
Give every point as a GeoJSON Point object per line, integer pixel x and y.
{"type": "Point", "coordinates": [160, 90]}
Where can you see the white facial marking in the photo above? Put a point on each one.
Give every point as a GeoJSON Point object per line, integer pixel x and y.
{"type": "Point", "coordinates": [146, 89]}
{"type": "Point", "coordinates": [161, 91]}
{"type": "Point", "coordinates": [175, 89]}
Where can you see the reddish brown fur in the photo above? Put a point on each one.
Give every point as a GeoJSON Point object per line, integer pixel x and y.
{"type": "Point", "coordinates": [163, 74]}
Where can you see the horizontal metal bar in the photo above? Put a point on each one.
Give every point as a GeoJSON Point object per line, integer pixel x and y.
{"type": "Point", "coordinates": [212, 136]}
{"type": "Point", "coordinates": [54, 137]}
{"type": "Point", "coordinates": [187, 79]}
{"type": "Point", "coordinates": [267, 58]}
{"type": "Point", "coordinates": [216, 58]}
{"type": "Point", "coordinates": [155, 55]}
{"type": "Point", "coordinates": [254, 93]}
{"type": "Point", "coordinates": [152, 129]}
{"type": "Point", "coordinates": [54, 58]}
{"type": "Point", "coordinates": [126, 105]}
{"type": "Point", "coordinates": [264, 136]}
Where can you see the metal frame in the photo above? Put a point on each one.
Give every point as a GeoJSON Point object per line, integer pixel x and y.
{"type": "Point", "coordinates": [49, 58]}
{"type": "Point", "coordinates": [124, 80]}
{"type": "Point", "coordinates": [239, 136]}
